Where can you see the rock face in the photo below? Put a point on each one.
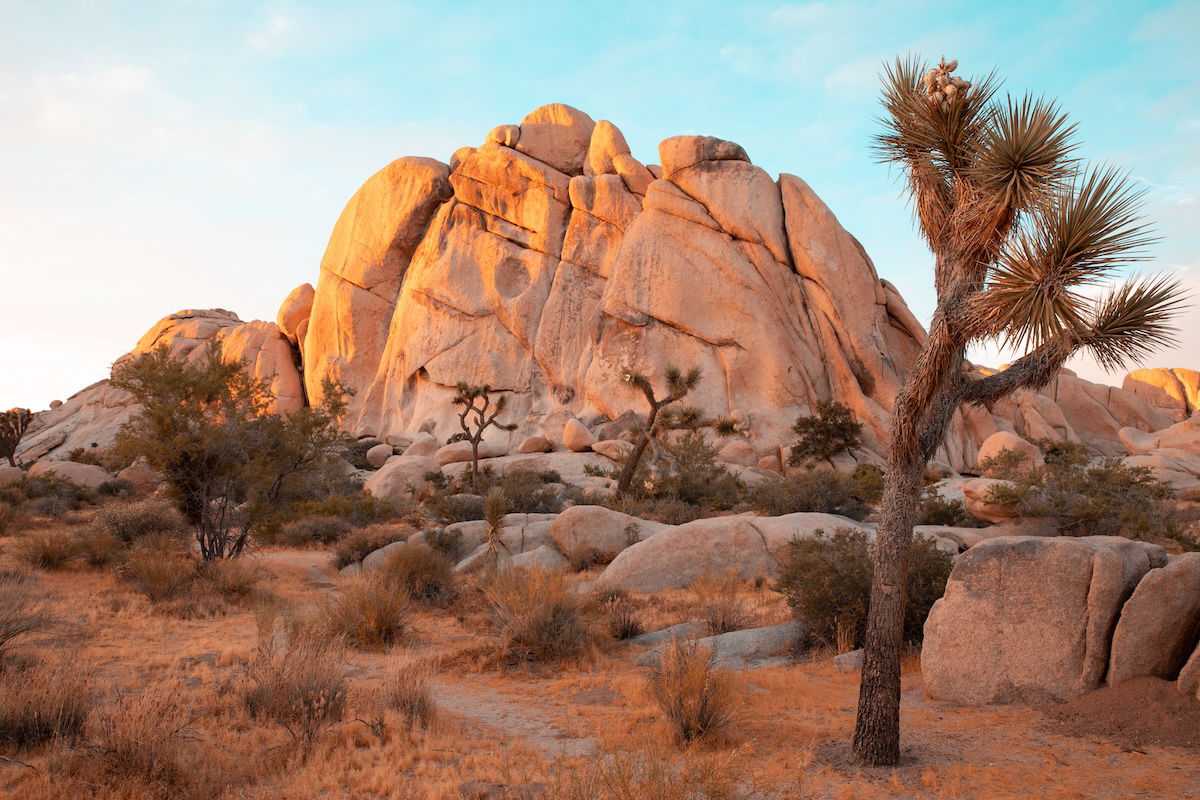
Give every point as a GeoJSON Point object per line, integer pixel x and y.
{"type": "Point", "coordinates": [1160, 625]}
{"type": "Point", "coordinates": [89, 476]}
{"type": "Point", "coordinates": [1171, 454]}
{"type": "Point", "coordinates": [401, 477]}
{"type": "Point", "coordinates": [1030, 619]}
{"type": "Point", "coordinates": [549, 261]}
{"type": "Point", "coordinates": [595, 533]}
{"type": "Point", "coordinates": [1175, 392]}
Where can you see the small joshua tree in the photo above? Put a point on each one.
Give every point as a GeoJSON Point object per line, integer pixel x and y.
{"type": "Point", "coordinates": [13, 425]}
{"type": "Point", "coordinates": [823, 435]}
{"type": "Point", "coordinates": [476, 402]}
{"type": "Point", "coordinates": [678, 385]}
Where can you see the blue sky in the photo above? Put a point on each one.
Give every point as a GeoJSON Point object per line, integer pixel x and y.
{"type": "Point", "coordinates": [158, 156]}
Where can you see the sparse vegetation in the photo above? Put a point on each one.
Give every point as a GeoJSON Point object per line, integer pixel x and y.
{"type": "Point", "coordinates": [366, 611]}
{"type": "Point", "coordinates": [407, 689]}
{"type": "Point", "coordinates": [821, 491]}
{"type": "Point", "coordinates": [42, 702]}
{"type": "Point", "coordinates": [624, 620]}
{"type": "Point", "coordinates": [537, 616]}
{"type": "Point", "coordinates": [720, 606]}
{"type": "Point", "coordinates": [829, 432]}
{"type": "Point", "coordinates": [695, 695]}
{"type": "Point", "coordinates": [827, 583]}
{"type": "Point", "coordinates": [140, 735]}
{"type": "Point", "coordinates": [49, 549]}
{"type": "Point", "coordinates": [297, 682]}
{"type": "Point", "coordinates": [159, 570]}
{"type": "Point", "coordinates": [419, 572]}
{"type": "Point", "coordinates": [21, 613]}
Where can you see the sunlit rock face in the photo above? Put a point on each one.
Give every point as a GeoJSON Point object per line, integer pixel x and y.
{"type": "Point", "coordinates": [549, 261]}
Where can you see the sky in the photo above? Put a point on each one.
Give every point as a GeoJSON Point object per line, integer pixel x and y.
{"type": "Point", "coordinates": [166, 155]}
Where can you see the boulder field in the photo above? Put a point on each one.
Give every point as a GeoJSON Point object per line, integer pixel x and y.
{"type": "Point", "coordinates": [549, 261]}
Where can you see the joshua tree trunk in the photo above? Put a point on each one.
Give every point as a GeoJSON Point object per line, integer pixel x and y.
{"type": "Point", "coordinates": [12, 462]}
{"type": "Point", "coordinates": [474, 465]}
{"type": "Point", "coordinates": [631, 465]}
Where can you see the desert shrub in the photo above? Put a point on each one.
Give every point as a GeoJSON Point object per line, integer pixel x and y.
{"type": "Point", "coordinates": [1103, 498]}
{"type": "Point", "coordinates": [867, 483]}
{"type": "Point", "coordinates": [699, 479]}
{"type": "Point", "coordinates": [98, 549]}
{"type": "Point", "coordinates": [933, 509]}
{"type": "Point", "coordinates": [322, 530]}
{"type": "Point", "coordinates": [456, 507]}
{"type": "Point", "coordinates": [49, 488]}
{"type": "Point", "coordinates": [49, 506]}
{"type": "Point", "coordinates": [651, 772]}
{"type": "Point", "coordinates": [366, 612]}
{"type": "Point", "coordinates": [85, 455]}
{"type": "Point", "coordinates": [1006, 465]}
{"type": "Point", "coordinates": [694, 694]}
{"type": "Point", "coordinates": [355, 452]}
{"type": "Point", "coordinates": [445, 541]}
{"type": "Point", "coordinates": [132, 522]}
{"type": "Point", "coordinates": [822, 491]}
{"type": "Point", "coordinates": [357, 545]}
{"type": "Point", "coordinates": [297, 682]}
{"type": "Point", "coordinates": [720, 606]}
{"type": "Point", "coordinates": [117, 487]}
{"type": "Point", "coordinates": [46, 549]}
{"type": "Point", "coordinates": [621, 615]}
{"type": "Point", "coordinates": [832, 430]}
{"type": "Point", "coordinates": [234, 581]}
{"type": "Point", "coordinates": [141, 735]}
{"type": "Point", "coordinates": [827, 583]}
{"type": "Point", "coordinates": [537, 616]}
{"type": "Point", "coordinates": [358, 509]}
{"type": "Point", "coordinates": [158, 570]}
{"type": "Point", "coordinates": [458, 437]}
{"type": "Point", "coordinates": [10, 518]}
{"type": "Point", "coordinates": [21, 613]}
{"type": "Point", "coordinates": [42, 702]}
{"type": "Point", "coordinates": [531, 492]}
{"type": "Point", "coordinates": [419, 572]}
{"type": "Point", "coordinates": [665, 510]}
{"type": "Point", "coordinates": [407, 689]}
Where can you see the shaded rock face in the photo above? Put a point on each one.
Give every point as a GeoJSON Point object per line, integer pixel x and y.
{"type": "Point", "coordinates": [1030, 619]}
{"type": "Point", "coordinates": [1159, 627]}
{"type": "Point", "coordinates": [549, 261]}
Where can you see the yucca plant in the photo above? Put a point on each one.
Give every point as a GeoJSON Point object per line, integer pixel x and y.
{"type": "Point", "coordinates": [1020, 231]}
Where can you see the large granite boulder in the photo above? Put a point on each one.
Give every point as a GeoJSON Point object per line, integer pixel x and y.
{"type": "Point", "coordinates": [1159, 626]}
{"type": "Point", "coordinates": [1030, 619]}
{"type": "Point", "coordinates": [595, 533]}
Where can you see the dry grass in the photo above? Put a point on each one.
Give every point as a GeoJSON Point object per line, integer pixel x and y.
{"type": "Point", "coordinates": [407, 690]}
{"type": "Point", "coordinates": [299, 683]}
{"type": "Point", "coordinates": [647, 772]}
{"type": "Point", "coordinates": [538, 616]}
{"type": "Point", "coordinates": [160, 573]}
{"type": "Point", "coordinates": [132, 522]}
{"type": "Point", "coordinates": [21, 613]}
{"type": "Point", "coordinates": [719, 602]}
{"type": "Point", "coordinates": [49, 549]}
{"type": "Point", "coordinates": [141, 735]}
{"type": "Point", "coordinates": [622, 615]}
{"type": "Point", "coordinates": [419, 572]}
{"type": "Point", "coordinates": [366, 612]}
{"type": "Point", "coordinates": [354, 547]}
{"type": "Point", "coordinates": [43, 701]}
{"type": "Point", "coordinates": [695, 695]}
{"type": "Point", "coordinates": [234, 580]}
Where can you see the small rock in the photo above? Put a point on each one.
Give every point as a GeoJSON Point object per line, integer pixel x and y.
{"type": "Point", "coordinates": [849, 662]}
{"type": "Point", "coordinates": [576, 437]}
{"type": "Point", "coordinates": [378, 455]}
{"type": "Point", "coordinates": [535, 444]}
{"type": "Point", "coordinates": [616, 449]}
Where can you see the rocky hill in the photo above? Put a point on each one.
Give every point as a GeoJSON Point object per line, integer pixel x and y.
{"type": "Point", "coordinates": [549, 261]}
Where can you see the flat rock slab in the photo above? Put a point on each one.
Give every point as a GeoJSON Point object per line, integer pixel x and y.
{"type": "Point", "coordinates": [743, 649]}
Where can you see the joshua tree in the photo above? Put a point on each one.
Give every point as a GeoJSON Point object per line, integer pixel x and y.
{"type": "Point", "coordinates": [13, 425]}
{"type": "Point", "coordinates": [477, 400]}
{"type": "Point", "coordinates": [1018, 231]}
{"type": "Point", "coordinates": [678, 385]}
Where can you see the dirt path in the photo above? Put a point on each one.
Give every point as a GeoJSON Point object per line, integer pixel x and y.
{"type": "Point", "coordinates": [532, 724]}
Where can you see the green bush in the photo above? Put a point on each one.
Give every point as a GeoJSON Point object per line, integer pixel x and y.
{"type": "Point", "coordinates": [832, 430]}
{"type": "Point", "coordinates": [1103, 498]}
{"type": "Point", "coordinates": [867, 480]}
{"type": "Point", "coordinates": [933, 509]}
{"type": "Point", "coordinates": [699, 479]}
{"type": "Point", "coordinates": [358, 509]}
{"type": "Point", "coordinates": [358, 544]}
{"type": "Point", "coordinates": [419, 572]}
{"type": "Point", "coordinates": [821, 491]}
{"type": "Point", "coordinates": [827, 583]}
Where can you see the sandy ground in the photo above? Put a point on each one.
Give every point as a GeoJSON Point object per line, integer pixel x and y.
{"type": "Point", "coordinates": [513, 726]}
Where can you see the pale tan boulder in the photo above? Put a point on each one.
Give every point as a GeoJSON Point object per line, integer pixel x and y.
{"type": "Point", "coordinates": [1027, 619]}
{"type": "Point", "coordinates": [145, 478]}
{"type": "Point", "coordinates": [677, 153]}
{"type": "Point", "coordinates": [1182, 475]}
{"type": "Point", "coordinates": [378, 455]}
{"type": "Point", "coordinates": [534, 444]}
{"type": "Point", "coordinates": [460, 155]}
{"type": "Point", "coordinates": [295, 311]}
{"type": "Point", "coordinates": [739, 451]}
{"type": "Point", "coordinates": [637, 178]}
{"type": "Point", "coordinates": [1002, 441]}
{"type": "Point", "coordinates": [1175, 392]}
{"type": "Point", "coordinates": [267, 356]}
{"type": "Point", "coordinates": [55, 404]}
{"type": "Point", "coordinates": [617, 449]}
{"type": "Point", "coordinates": [401, 477]}
{"type": "Point", "coordinates": [456, 452]}
{"type": "Point", "coordinates": [545, 557]}
{"type": "Point", "coordinates": [576, 437]}
{"type": "Point", "coordinates": [770, 463]}
{"type": "Point", "coordinates": [607, 141]}
{"type": "Point", "coordinates": [977, 497]}
{"type": "Point", "coordinates": [1137, 442]}
{"type": "Point", "coordinates": [365, 262]}
{"type": "Point", "coordinates": [423, 445]}
{"type": "Point", "coordinates": [558, 135]}
{"type": "Point", "coordinates": [90, 417]}
{"type": "Point", "coordinates": [1159, 625]}
{"type": "Point", "coordinates": [597, 534]}
{"type": "Point", "coordinates": [89, 476]}
{"type": "Point", "coordinates": [507, 135]}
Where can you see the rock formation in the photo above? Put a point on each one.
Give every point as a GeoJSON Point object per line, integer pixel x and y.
{"type": "Point", "coordinates": [549, 261]}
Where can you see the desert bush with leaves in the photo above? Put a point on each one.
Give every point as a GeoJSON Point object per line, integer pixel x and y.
{"type": "Point", "coordinates": [821, 491]}
{"type": "Point", "coordinates": [720, 606]}
{"type": "Point", "coordinates": [695, 695]}
{"type": "Point", "coordinates": [697, 477]}
{"type": "Point", "coordinates": [537, 616]}
{"type": "Point", "coordinates": [832, 430]}
{"type": "Point", "coordinates": [934, 509]}
{"type": "Point", "coordinates": [827, 582]}
{"type": "Point", "coordinates": [1106, 497]}
{"type": "Point", "coordinates": [366, 611]}
{"type": "Point", "coordinates": [358, 509]}
{"type": "Point", "coordinates": [357, 545]}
